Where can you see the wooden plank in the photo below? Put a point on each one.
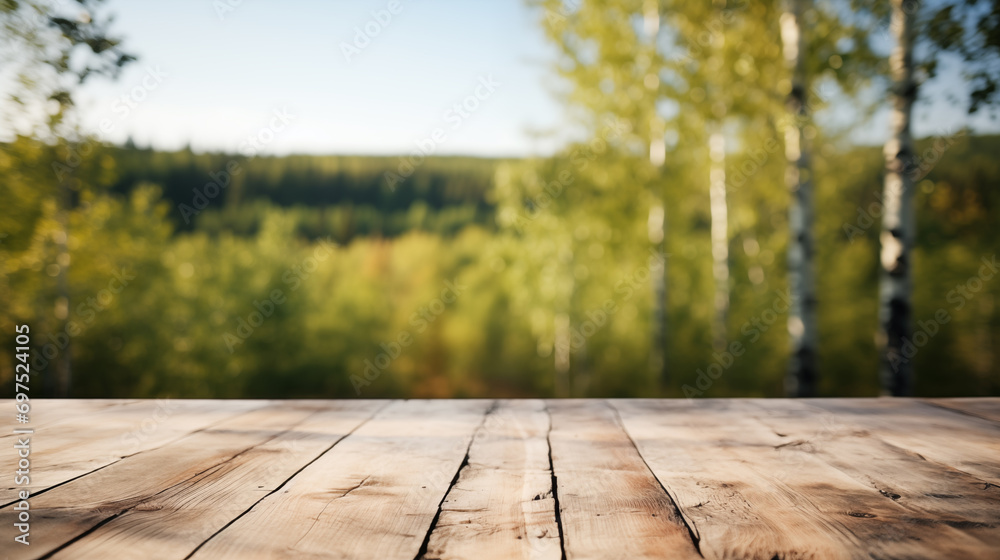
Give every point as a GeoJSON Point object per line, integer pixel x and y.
{"type": "Point", "coordinates": [173, 523]}
{"type": "Point", "coordinates": [60, 434]}
{"type": "Point", "coordinates": [502, 507]}
{"type": "Point", "coordinates": [374, 495]}
{"type": "Point", "coordinates": [110, 433]}
{"type": "Point", "coordinates": [745, 499]}
{"type": "Point", "coordinates": [70, 510]}
{"type": "Point", "coordinates": [983, 407]}
{"type": "Point", "coordinates": [957, 440]}
{"type": "Point", "coordinates": [610, 505]}
{"type": "Point", "coordinates": [833, 478]}
{"type": "Point", "coordinates": [46, 413]}
{"type": "Point", "coordinates": [935, 494]}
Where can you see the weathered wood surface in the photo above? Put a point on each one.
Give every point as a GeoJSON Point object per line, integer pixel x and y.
{"type": "Point", "coordinates": [113, 432]}
{"type": "Point", "coordinates": [984, 407]}
{"type": "Point", "coordinates": [502, 501]}
{"type": "Point", "coordinates": [611, 505]}
{"type": "Point", "coordinates": [479, 479]}
{"type": "Point", "coordinates": [375, 495]}
{"type": "Point", "coordinates": [755, 488]}
{"type": "Point", "coordinates": [180, 518]}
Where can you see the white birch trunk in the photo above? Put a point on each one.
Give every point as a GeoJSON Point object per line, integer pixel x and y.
{"type": "Point", "coordinates": [898, 221]}
{"type": "Point", "coordinates": [802, 377]}
{"type": "Point", "coordinates": [720, 237]}
{"type": "Point", "coordinates": [64, 363]}
{"type": "Point", "coordinates": [656, 229]}
{"type": "Point", "coordinates": [656, 223]}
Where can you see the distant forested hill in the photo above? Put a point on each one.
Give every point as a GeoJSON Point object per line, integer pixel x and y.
{"type": "Point", "coordinates": [394, 252]}
{"type": "Point", "coordinates": [343, 196]}
{"type": "Point", "coordinates": [349, 196]}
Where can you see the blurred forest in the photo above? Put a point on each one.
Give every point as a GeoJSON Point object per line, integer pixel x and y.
{"type": "Point", "coordinates": [163, 334]}
{"type": "Point", "coordinates": [148, 273]}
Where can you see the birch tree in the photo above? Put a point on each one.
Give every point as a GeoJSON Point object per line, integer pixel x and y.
{"type": "Point", "coordinates": [656, 224]}
{"type": "Point", "coordinates": [719, 211]}
{"type": "Point", "coordinates": [613, 68]}
{"type": "Point", "coordinates": [970, 29]}
{"type": "Point", "coordinates": [718, 203]}
{"type": "Point", "coordinates": [707, 35]}
{"type": "Point", "coordinates": [895, 280]}
{"type": "Point", "coordinates": [802, 376]}
{"type": "Point", "coordinates": [56, 50]}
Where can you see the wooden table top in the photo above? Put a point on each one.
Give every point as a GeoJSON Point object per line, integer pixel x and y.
{"type": "Point", "coordinates": [508, 479]}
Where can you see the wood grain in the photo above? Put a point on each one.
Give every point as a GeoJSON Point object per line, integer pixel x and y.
{"type": "Point", "coordinates": [374, 495]}
{"type": "Point", "coordinates": [502, 506]}
{"type": "Point", "coordinates": [735, 479]}
{"type": "Point", "coordinates": [611, 506]}
{"type": "Point", "coordinates": [983, 407]}
{"type": "Point", "coordinates": [747, 499]}
{"type": "Point", "coordinates": [940, 497]}
{"type": "Point", "coordinates": [173, 523]}
{"type": "Point", "coordinates": [68, 511]}
{"type": "Point", "coordinates": [960, 441]}
{"type": "Point", "coordinates": [46, 413]}
{"type": "Point", "coordinates": [111, 432]}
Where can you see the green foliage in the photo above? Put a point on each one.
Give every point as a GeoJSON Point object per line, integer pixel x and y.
{"type": "Point", "coordinates": [49, 49]}
{"type": "Point", "coordinates": [313, 276]}
{"type": "Point", "coordinates": [165, 332]}
{"type": "Point", "coordinates": [343, 196]}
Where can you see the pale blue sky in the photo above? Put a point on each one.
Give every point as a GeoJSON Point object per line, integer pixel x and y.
{"type": "Point", "coordinates": [223, 76]}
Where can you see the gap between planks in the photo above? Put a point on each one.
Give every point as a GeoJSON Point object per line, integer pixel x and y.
{"type": "Point", "coordinates": [374, 495]}
{"type": "Point", "coordinates": [114, 434]}
{"type": "Point", "coordinates": [143, 494]}
{"type": "Point", "coordinates": [582, 443]}
{"type": "Point", "coordinates": [751, 493]}
{"type": "Point", "coordinates": [503, 501]}
{"type": "Point", "coordinates": [506, 501]}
